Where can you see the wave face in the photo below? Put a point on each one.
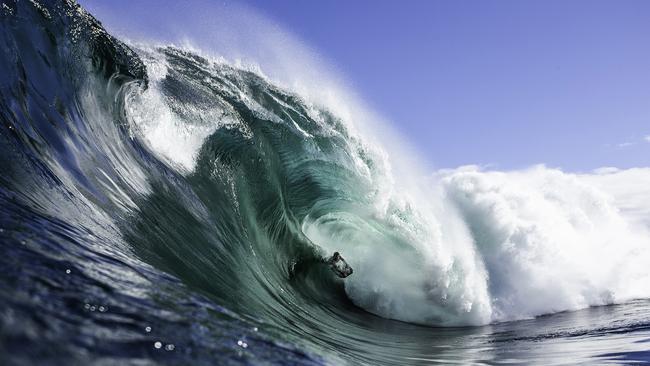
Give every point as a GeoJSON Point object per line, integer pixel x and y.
{"type": "Point", "coordinates": [152, 196]}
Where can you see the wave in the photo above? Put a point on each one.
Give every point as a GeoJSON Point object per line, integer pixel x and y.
{"type": "Point", "coordinates": [141, 167]}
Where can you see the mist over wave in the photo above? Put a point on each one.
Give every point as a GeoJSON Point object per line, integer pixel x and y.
{"type": "Point", "coordinates": [151, 184]}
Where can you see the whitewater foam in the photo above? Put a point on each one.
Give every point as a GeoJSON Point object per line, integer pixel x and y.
{"type": "Point", "coordinates": [549, 240]}
{"type": "Point", "coordinates": [630, 189]}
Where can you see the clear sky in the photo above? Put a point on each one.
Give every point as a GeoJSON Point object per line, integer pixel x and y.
{"type": "Point", "coordinates": [501, 83]}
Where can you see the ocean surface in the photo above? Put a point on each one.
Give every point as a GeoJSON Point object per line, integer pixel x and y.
{"type": "Point", "coordinates": [158, 206]}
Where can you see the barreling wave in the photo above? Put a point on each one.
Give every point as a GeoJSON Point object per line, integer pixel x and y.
{"type": "Point", "coordinates": [147, 187]}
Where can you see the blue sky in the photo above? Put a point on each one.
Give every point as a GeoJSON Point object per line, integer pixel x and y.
{"type": "Point", "coordinates": [501, 83]}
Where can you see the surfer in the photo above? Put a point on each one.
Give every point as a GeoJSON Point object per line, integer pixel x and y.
{"type": "Point", "coordinates": [339, 265]}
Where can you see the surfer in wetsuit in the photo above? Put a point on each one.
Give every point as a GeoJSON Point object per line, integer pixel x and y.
{"type": "Point", "coordinates": [339, 265]}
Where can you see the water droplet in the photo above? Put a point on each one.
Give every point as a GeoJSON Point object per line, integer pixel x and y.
{"type": "Point", "coordinates": [87, 306]}
{"type": "Point", "coordinates": [93, 308]}
{"type": "Point", "coordinates": [67, 271]}
{"type": "Point", "coordinates": [147, 329]}
{"type": "Point", "coordinates": [102, 309]}
{"type": "Point", "coordinates": [242, 344]}
{"type": "Point", "coordinates": [254, 329]}
{"type": "Point", "coordinates": [157, 345]}
{"type": "Point", "coordinates": [170, 347]}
